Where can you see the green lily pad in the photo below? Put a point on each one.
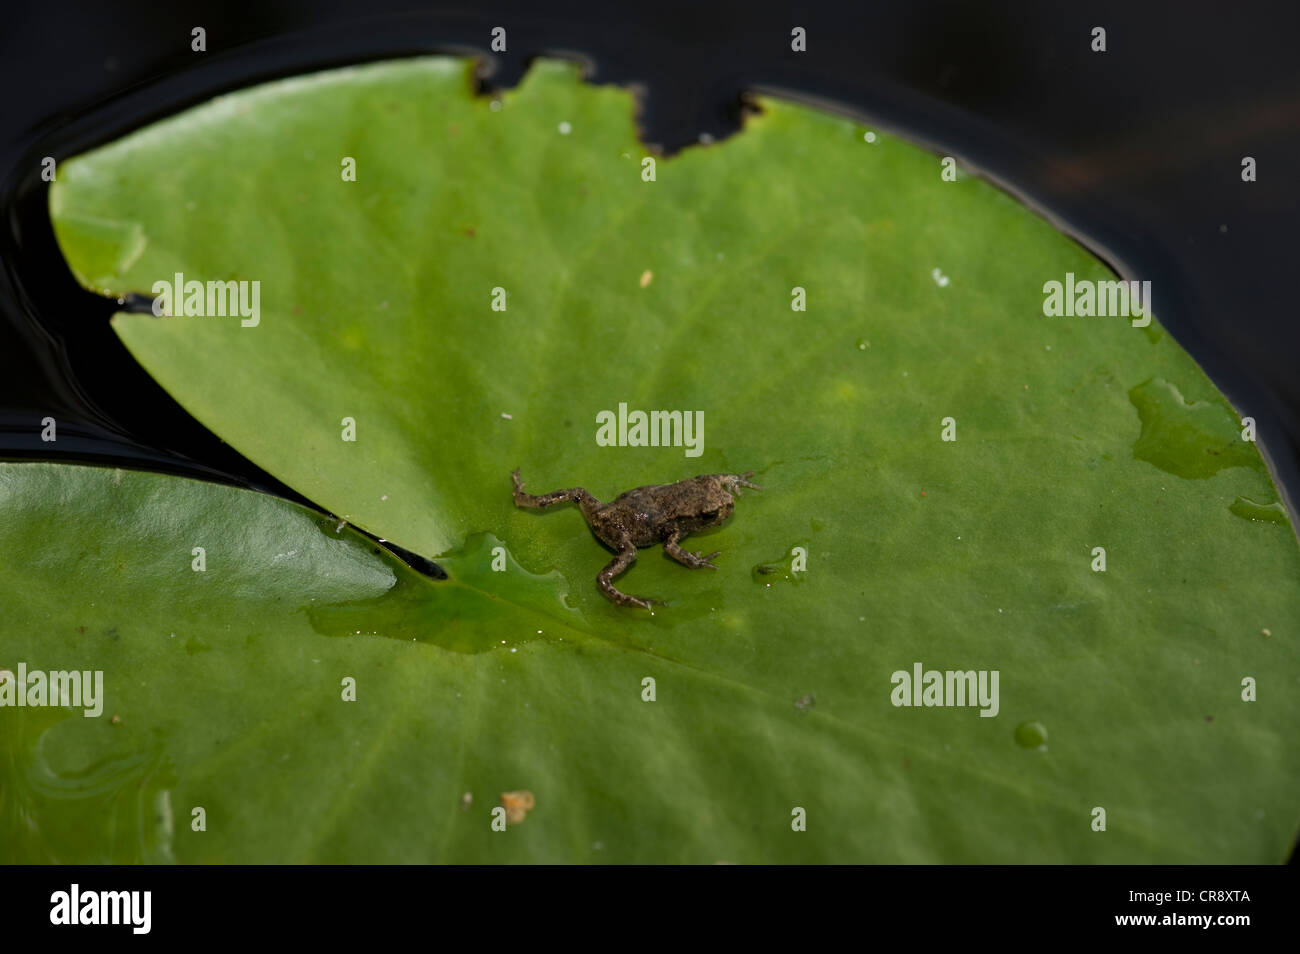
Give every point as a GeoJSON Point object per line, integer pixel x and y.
{"type": "Point", "coordinates": [774, 689]}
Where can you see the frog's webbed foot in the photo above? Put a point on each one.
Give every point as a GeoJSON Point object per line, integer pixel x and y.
{"type": "Point", "coordinates": [733, 482]}
{"type": "Point", "coordinates": [693, 560]}
{"type": "Point", "coordinates": [619, 564]}
{"type": "Point", "coordinates": [626, 599]}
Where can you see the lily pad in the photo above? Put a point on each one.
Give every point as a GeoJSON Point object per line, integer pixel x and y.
{"type": "Point", "coordinates": [924, 320]}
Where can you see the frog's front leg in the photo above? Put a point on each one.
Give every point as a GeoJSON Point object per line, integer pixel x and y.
{"type": "Point", "coordinates": [626, 557]}
{"type": "Point", "coordinates": [672, 546]}
{"type": "Point", "coordinates": [578, 495]}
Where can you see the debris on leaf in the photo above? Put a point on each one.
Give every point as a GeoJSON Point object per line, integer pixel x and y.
{"type": "Point", "coordinates": [517, 805]}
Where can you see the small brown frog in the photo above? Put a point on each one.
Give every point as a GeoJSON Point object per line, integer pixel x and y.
{"type": "Point", "coordinates": [659, 513]}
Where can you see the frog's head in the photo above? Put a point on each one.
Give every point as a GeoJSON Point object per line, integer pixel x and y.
{"type": "Point", "coordinates": [716, 502]}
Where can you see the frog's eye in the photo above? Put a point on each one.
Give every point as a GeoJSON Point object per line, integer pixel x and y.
{"type": "Point", "coordinates": [710, 514]}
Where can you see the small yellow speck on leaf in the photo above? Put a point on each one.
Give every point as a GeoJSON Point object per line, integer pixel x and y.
{"type": "Point", "coordinates": [517, 805]}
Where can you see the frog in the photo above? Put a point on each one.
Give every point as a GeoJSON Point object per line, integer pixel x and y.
{"type": "Point", "coordinates": [646, 516]}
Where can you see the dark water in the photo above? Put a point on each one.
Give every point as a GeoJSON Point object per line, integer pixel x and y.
{"type": "Point", "coordinates": [1136, 151]}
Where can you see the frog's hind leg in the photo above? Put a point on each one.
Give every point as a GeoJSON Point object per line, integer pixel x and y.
{"type": "Point", "coordinates": [578, 495]}
{"type": "Point", "coordinates": [620, 563]}
{"type": "Point", "coordinates": [673, 547]}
